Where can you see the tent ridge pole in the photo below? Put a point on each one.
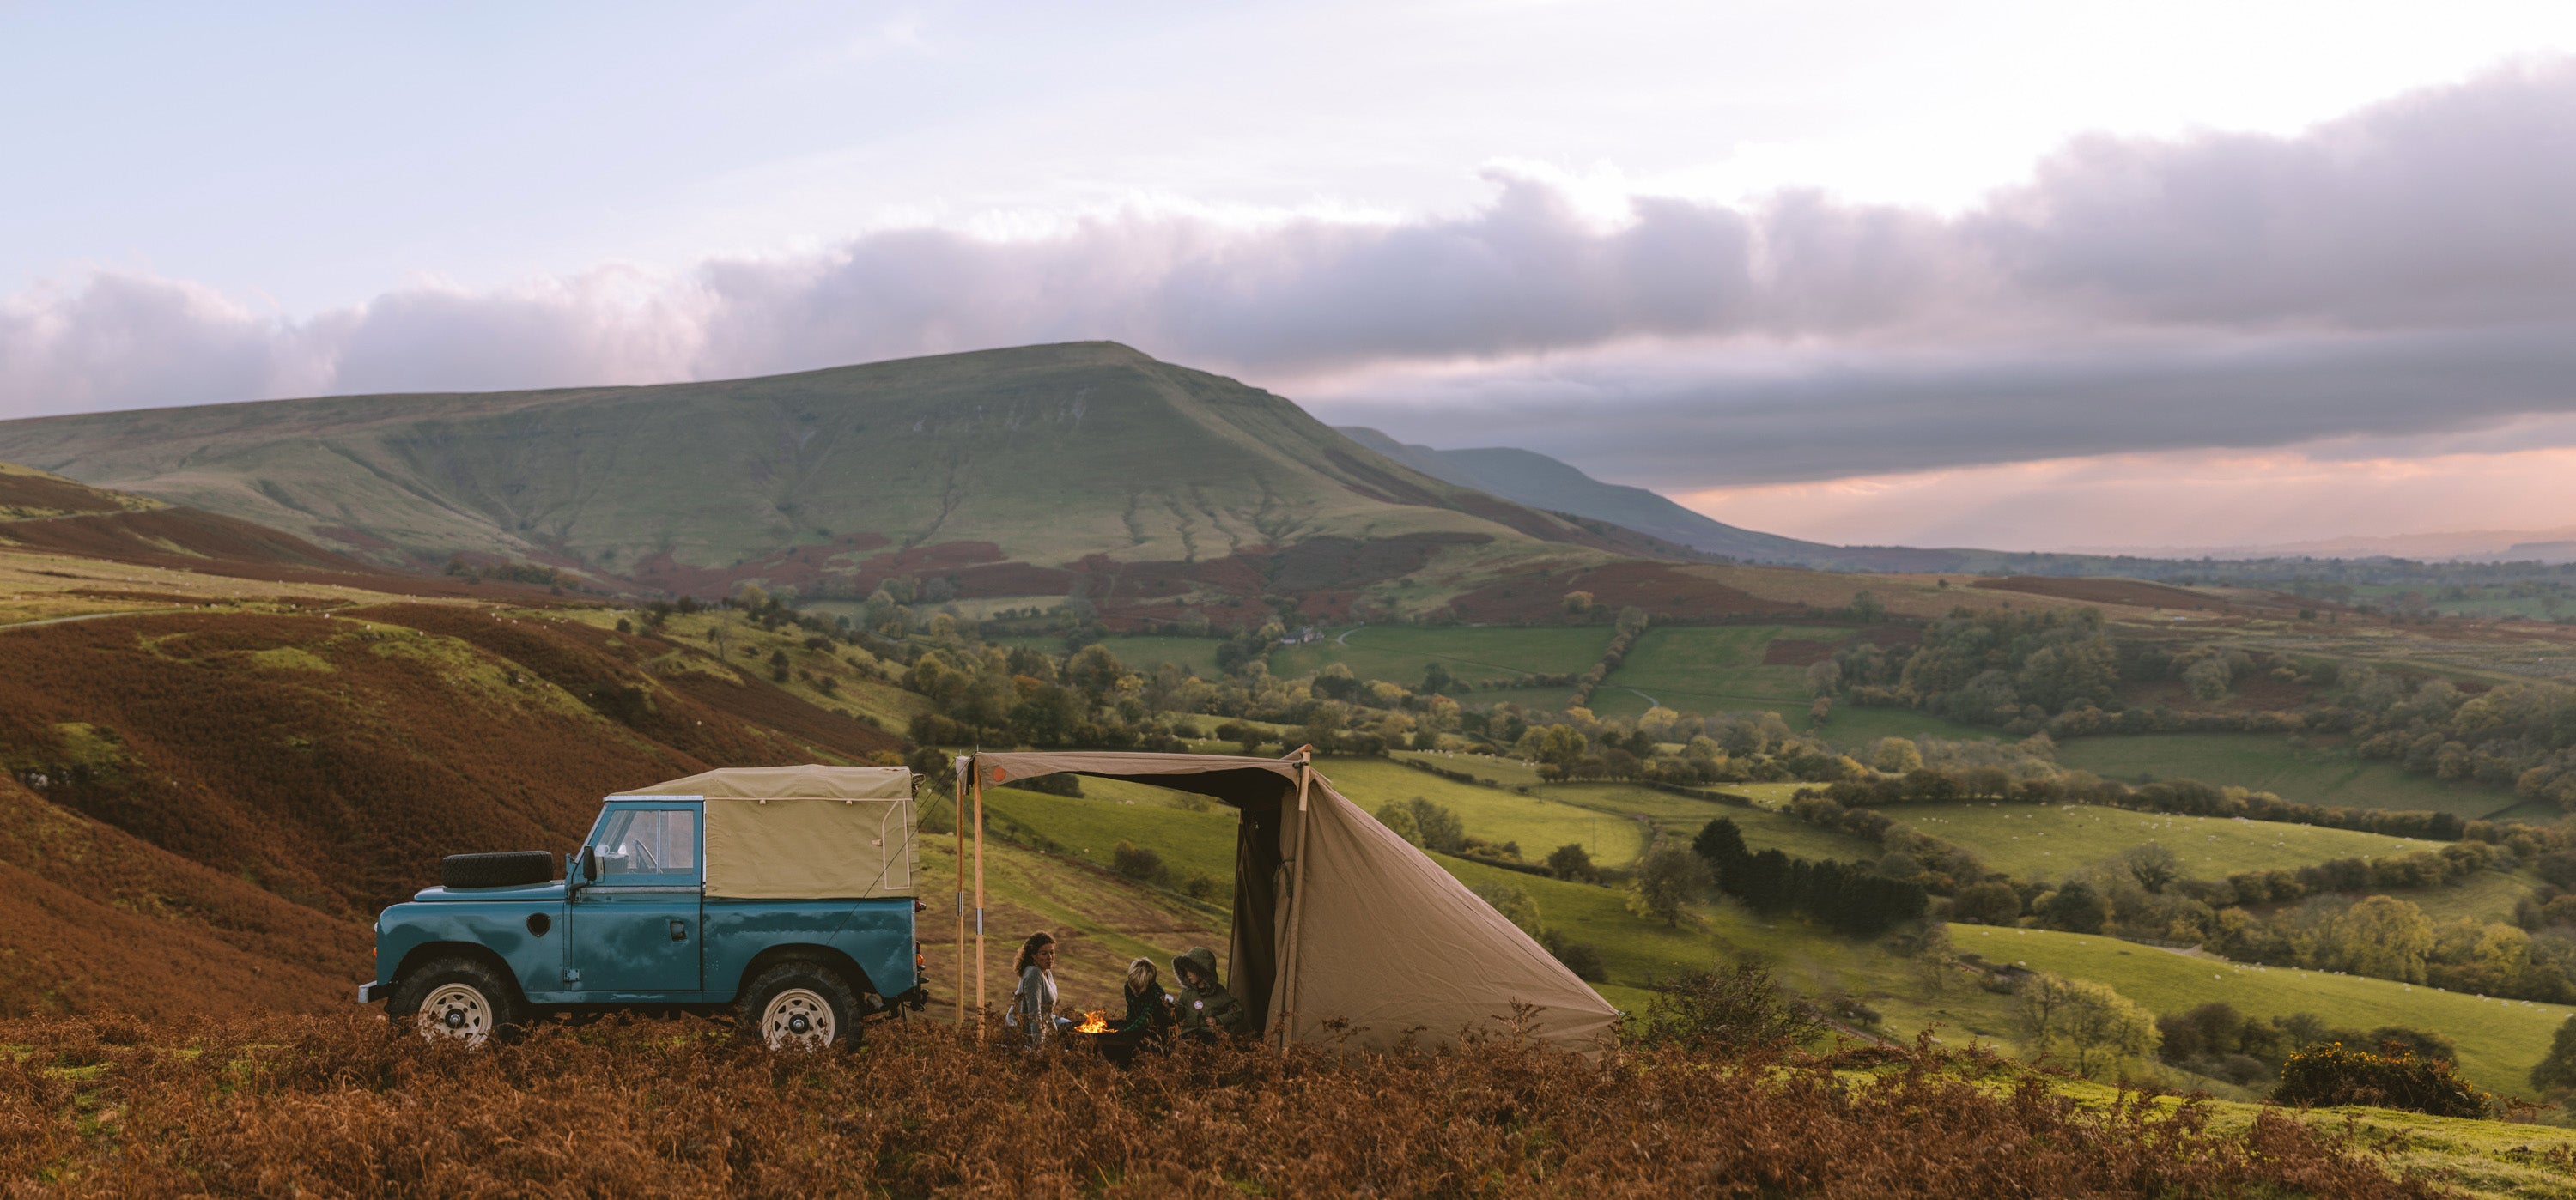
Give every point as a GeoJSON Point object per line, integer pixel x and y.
{"type": "Point", "coordinates": [1297, 896]}
{"type": "Point", "coordinates": [978, 785]}
{"type": "Point", "coordinates": [957, 824]}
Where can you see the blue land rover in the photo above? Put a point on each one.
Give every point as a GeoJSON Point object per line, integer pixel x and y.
{"type": "Point", "coordinates": [786, 894]}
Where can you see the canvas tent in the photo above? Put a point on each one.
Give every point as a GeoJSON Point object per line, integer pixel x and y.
{"type": "Point", "coordinates": [1337, 917]}
{"type": "Point", "coordinates": [792, 833]}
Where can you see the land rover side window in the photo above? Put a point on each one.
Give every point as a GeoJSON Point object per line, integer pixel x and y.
{"type": "Point", "coordinates": [659, 843]}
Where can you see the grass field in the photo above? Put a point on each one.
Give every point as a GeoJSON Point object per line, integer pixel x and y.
{"type": "Point", "coordinates": [2279, 765]}
{"type": "Point", "coordinates": [1537, 822]}
{"type": "Point", "coordinates": [1507, 772]}
{"type": "Point", "coordinates": [1852, 728]}
{"type": "Point", "coordinates": [1091, 826]}
{"type": "Point", "coordinates": [1400, 654]}
{"type": "Point", "coordinates": [2499, 1040]}
{"type": "Point", "coordinates": [2047, 842]}
{"type": "Point", "coordinates": [1705, 670]}
{"type": "Point", "coordinates": [2485, 896]}
{"type": "Point", "coordinates": [1682, 817]}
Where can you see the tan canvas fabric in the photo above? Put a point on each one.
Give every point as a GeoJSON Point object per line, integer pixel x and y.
{"type": "Point", "coordinates": [811, 832]}
{"type": "Point", "coordinates": [1387, 941]}
{"type": "Point", "coordinates": [842, 783]}
{"type": "Point", "coordinates": [1390, 942]}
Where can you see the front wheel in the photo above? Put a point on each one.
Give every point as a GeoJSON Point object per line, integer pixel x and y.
{"type": "Point", "coordinates": [799, 1006]}
{"type": "Point", "coordinates": [459, 999]}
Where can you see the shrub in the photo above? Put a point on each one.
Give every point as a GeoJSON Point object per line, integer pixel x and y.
{"type": "Point", "coordinates": [1731, 1012]}
{"type": "Point", "coordinates": [1515, 904]}
{"type": "Point", "coordinates": [1582, 958]}
{"type": "Point", "coordinates": [2332, 1073]}
{"type": "Point", "coordinates": [1199, 885]}
{"type": "Point", "coordinates": [1138, 862]}
{"type": "Point", "coordinates": [1572, 861]}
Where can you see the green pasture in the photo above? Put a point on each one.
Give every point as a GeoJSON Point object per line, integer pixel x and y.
{"type": "Point", "coordinates": [1089, 827]}
{"type": "Point", "coordinates": [1494, 769]}
{"type": "Point", "coordinates": [2049, 841]}
{"type": "Point", "coordinates": [1851, 728]}
{"type": "Point", "coordinates": [1538, 823]}
{"type": "Point", "coordinates": [1533, 699]}
{"type": "Point", "coordinates": [1707, 669]}
{"type": "Point", "coordinates": [2499, 1040]}
{"type": "Point", "coordinates": [2282, 766]}
{"type": "Point", "coordinates": [1400, 654]}
{"type": "Point", "coordinates": [2485, 896]}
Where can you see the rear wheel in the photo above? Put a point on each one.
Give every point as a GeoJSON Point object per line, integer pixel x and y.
{"type": "Point", "coordinates": [799, 1006]}
{"type": "Point", "coordinates": [459, 999]}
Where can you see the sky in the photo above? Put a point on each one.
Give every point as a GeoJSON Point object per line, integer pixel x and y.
{"type": "Point", "coordinates": [2028, 276]}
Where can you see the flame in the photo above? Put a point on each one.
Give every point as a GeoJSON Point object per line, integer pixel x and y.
{"type": "Point", "coordinates": [1095, 1021]}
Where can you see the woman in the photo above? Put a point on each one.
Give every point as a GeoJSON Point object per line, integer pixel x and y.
{"type": "Point", "coordinates": [1149, 1011]}
{"type": "Point", "coordinates": [1033, 1005]}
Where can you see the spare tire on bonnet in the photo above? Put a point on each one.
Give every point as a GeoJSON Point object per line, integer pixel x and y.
{"type": "Point", "coordinates": [496, 870]}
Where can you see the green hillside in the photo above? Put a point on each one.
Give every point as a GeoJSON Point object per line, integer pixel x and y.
{"type": "Point", "coordinates": [1707, 670]}
{"type": "Point", "coordinates": [2276, 764]}
{"type": "Point", "coordinates": [2498, 1039]}
{"type": "Point", "coordinates": [1042, 455]}
{"type": "Point", "coordinates": [2048, 841]}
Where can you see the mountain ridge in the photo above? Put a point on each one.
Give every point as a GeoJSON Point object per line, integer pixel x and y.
{"type": "Point", "coordinates": [1045, 455]}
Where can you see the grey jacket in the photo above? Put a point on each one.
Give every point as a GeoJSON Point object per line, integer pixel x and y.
{"type": "Point", "coordinates": [1034, 1003]}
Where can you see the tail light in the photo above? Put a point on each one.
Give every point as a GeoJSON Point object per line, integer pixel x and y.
{"type": "Point", "coordinates": [919, 905]}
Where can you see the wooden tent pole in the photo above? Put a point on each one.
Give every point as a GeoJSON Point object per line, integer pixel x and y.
{"type": "Point", "coordinates": [1297, 894]}
{"type": "Point", "coordinates": [979, 895]}
{"type": "Point", "coordinates": [957, 824]}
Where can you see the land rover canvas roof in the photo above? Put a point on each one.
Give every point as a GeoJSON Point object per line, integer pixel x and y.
{"type": "Point", "coordinates": [807, 832]}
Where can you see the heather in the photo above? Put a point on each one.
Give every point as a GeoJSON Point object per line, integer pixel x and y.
{"type": "Point", "coordinates": [349, 1106]}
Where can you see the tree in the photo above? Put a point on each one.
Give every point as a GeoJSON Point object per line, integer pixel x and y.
{"type": "Point", "coordinates": [2075, 908]}
{"type": "Point", "coordinates": [1436, 679]}
{"type": "Point", "coordinates": [2096, 1026]}
{"type": "Point", "coordinates": [1896, 755]}
{"type": "Point", "coordinates": [1989, 903]}
{"type": "Point", "coordinates": [1824, 677]}
{"type": "Point", "coordinates": [1515, 904]}
{"type": "Point", "coordinates": [2208, 679]}
{"type": "Point", "coordinates": [2384, 938]}
{"type": "Point", "coordinates": [1399, 818]}
{"type": "Point", "coordinates": [1668, 879]}
{"type": "Point", "coordinates": [1439, 825]}
{"type": "Point", "coordinates": [1865, 607]}
{"type": "Point", "coordinates": [1572, 861]}
{"type": "Point", "coordinates": [2153, 866]}
{"type": "Point", "coordinates": [1095, 670]}
{"type": "Point", "coordinates": [1578, 603]}
{"type": "Point", "coordinates": [2557, 1069]}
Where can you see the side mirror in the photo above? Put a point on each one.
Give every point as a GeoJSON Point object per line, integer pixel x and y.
{"type": "Point", "coordinates": [590, 864]}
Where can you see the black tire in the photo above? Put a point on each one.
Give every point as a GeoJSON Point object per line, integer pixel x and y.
{"type": "Point", "coordinates": [799, 1004]}
{"type": "Point", "coordinates": [512, 869]}
{"type": "Point", "coordinates": [462, 998]}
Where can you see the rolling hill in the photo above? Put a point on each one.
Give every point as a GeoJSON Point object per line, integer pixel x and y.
{"type": "Point", "coordinates": [1528, 477]}
{"type": "Point", "coordinates": [1010, 472]}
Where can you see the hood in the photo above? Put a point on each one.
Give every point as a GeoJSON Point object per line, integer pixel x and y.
{"type": "Point", "coordinates": [1199, 957]}
{"type": "Point", "coordinates": [525, 891]}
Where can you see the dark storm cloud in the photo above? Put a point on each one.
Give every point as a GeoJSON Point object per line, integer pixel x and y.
{"type": "Point", "coordinates": [2410, 267]}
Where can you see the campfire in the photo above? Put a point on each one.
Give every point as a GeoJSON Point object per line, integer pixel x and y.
{"type": "Point", "coordinates": [1095, 1021]}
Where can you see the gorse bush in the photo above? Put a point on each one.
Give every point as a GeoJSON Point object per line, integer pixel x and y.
{"type": "Point", "coordinates": [348, 1106]}
{"type": "Point", "coordinates": [2333, 1073]}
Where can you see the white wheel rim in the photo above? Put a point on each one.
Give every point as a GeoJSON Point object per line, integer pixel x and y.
{"type": "Point", "coordinates": [798, 1018]}
{"type": "Point", "coordinates": [456, 1011]}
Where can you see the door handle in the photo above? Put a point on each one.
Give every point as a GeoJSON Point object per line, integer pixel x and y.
{"type": "Point", "coordinates": [679, 930]}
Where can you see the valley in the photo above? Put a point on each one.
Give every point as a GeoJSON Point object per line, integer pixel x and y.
{"type": "Point", "coordinates": [225, 744]}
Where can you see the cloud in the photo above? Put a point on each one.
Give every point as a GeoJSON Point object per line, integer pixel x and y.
{"type": "Point", "coordinates": [2405, 270]}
